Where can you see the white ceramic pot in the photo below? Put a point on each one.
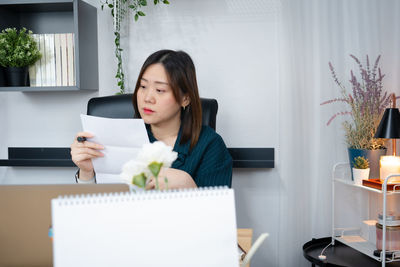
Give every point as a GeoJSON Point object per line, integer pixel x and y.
{"type": "Point", "coordinates": [359, 175]}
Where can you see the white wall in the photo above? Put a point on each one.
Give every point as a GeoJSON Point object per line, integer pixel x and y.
{"type": "Point", "coordinates": [235, 49]}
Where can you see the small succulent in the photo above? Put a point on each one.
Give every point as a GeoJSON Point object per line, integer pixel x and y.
{"type": "Point", "coordinates": [360, 163]}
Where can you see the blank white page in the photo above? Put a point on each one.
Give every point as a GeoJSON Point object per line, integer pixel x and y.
{"type": "Point", "coordinates": [187, 228]}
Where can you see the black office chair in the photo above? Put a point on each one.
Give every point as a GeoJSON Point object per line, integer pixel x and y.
{"type": "Point", "coordinates": [121, 107]}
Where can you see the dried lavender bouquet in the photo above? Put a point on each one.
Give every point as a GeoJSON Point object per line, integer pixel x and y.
{"type": "Point", "coordinates": [367, 102]}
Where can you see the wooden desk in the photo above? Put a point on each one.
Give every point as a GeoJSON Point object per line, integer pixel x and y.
{"type": "Point", "coordinates": [244, 236]}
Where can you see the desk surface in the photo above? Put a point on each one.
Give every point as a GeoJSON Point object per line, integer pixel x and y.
{"type": "Point", "coordinates": [338, 255]}
{"type": "Point", "coordinates": [244, 236]}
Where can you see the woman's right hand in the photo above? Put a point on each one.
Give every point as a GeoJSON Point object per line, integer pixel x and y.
{"type": "Point", "coordinates": [82, 154]}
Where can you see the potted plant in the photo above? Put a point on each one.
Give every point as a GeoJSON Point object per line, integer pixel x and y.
{"type": "Point", "coordinates": [18, 50]}
{"type": "Point", "coordinates": [360, 169]}
{"type": "Point", "coordinates": [367, 102]}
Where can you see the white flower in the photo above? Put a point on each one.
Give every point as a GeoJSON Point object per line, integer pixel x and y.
{"type": "Point", "coordinates": [133, 168]}
{"type": "Point", "coordinates": [157, 152]}
{"type": "Point", "coordinates": [148, 163]}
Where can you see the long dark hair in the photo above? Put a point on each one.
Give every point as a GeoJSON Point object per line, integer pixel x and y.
{"type": "Point", "coordinates": [182, 79]}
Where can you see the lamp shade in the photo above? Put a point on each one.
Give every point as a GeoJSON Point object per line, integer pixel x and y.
{"type": "Point", "coordinates": [389, 127]}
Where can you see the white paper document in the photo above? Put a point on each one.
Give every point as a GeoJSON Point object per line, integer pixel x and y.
{"type": "Point", "coordinates": [122, 140]}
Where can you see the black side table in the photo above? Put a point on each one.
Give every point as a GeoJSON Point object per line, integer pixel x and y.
{"type": "Point", "coordinates": [338, 255]}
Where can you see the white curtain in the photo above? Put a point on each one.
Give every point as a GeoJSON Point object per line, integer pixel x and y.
{"type": "Point", "coordinates": [312, 33]}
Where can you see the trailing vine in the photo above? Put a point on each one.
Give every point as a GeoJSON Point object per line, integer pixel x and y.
{"type": "Point", "coordinates": [120, 76]}
{"type": "Point", "coordinates": [118, 11]}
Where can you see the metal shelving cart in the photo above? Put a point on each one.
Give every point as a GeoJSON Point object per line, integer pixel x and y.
{"type": "Point", "coordinates": [351, 236]}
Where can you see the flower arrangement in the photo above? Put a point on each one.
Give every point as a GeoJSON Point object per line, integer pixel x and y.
{"type": "Point", "coordinates": [148, 163]}
{"type": "Point", "coordinates": [360, 163]}
{"type": "Point", "coordinates": [18, 48]}
{"type": "Point", "coordinates": [367, 104]}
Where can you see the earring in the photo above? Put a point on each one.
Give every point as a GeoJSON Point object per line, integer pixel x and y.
{"type": "Point", "coordinates": [184, 107]}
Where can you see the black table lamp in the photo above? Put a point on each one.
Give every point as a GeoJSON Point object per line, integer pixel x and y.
{"type": "Point", "coordinates": [389, 127]}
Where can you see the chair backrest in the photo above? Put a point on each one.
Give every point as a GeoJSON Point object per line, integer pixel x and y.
{"type": "Point", "coordinates": [121, 107]}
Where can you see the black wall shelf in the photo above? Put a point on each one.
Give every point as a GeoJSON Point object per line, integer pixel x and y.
{"type": "Point", "coordinates": [61, 157]}
{"type": "Point", "coordinates": [253, 157]}
{"type": "Point", "coordinates": [38, 157]}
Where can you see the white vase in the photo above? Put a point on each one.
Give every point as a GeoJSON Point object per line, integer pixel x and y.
{"type": "Point", "coordinates": [359, 175]}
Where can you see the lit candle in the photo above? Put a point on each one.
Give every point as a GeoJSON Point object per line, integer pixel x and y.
{"type": "Point", "coordinates": [389, 165]}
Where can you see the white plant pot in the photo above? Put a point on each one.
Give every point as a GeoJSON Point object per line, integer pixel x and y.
{"type": "Point", "coordinates": [359, 175]}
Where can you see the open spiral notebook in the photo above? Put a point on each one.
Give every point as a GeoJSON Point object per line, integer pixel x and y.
{"type": "Point", "coordinates": [183, 228]}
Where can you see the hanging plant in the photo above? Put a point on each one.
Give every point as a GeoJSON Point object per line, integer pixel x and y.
{"type": "Point", "coordinates": [119, 11]}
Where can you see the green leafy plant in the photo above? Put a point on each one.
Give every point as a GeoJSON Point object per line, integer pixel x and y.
{"type": "Point", "coordinates": [360, 163]}
{"type": "Point", "coordinates": [367, 102]}
{"type": "Point", "coordinates": [136, 7]}
{"type": "Point", "coordinates": [18, 48]}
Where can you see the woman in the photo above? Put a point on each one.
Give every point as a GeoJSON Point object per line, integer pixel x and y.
{"type": "Point", "coordinates": [166, 97]}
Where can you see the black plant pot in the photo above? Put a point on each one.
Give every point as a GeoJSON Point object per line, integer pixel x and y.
{"type": "Point", "coordinates": [17, 76]}
{"type": "Point", "coordinates": [2, 77]}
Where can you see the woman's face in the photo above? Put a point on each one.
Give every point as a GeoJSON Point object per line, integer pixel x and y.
{"type": "Point", "coordinates": [155, 99]}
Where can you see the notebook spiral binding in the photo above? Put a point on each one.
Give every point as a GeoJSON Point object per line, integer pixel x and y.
{"type": "Point", "coordinates": [100, 198]}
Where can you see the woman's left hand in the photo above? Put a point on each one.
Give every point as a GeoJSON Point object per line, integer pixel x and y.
{"type": "Point", "coordinates": [176, 179]}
